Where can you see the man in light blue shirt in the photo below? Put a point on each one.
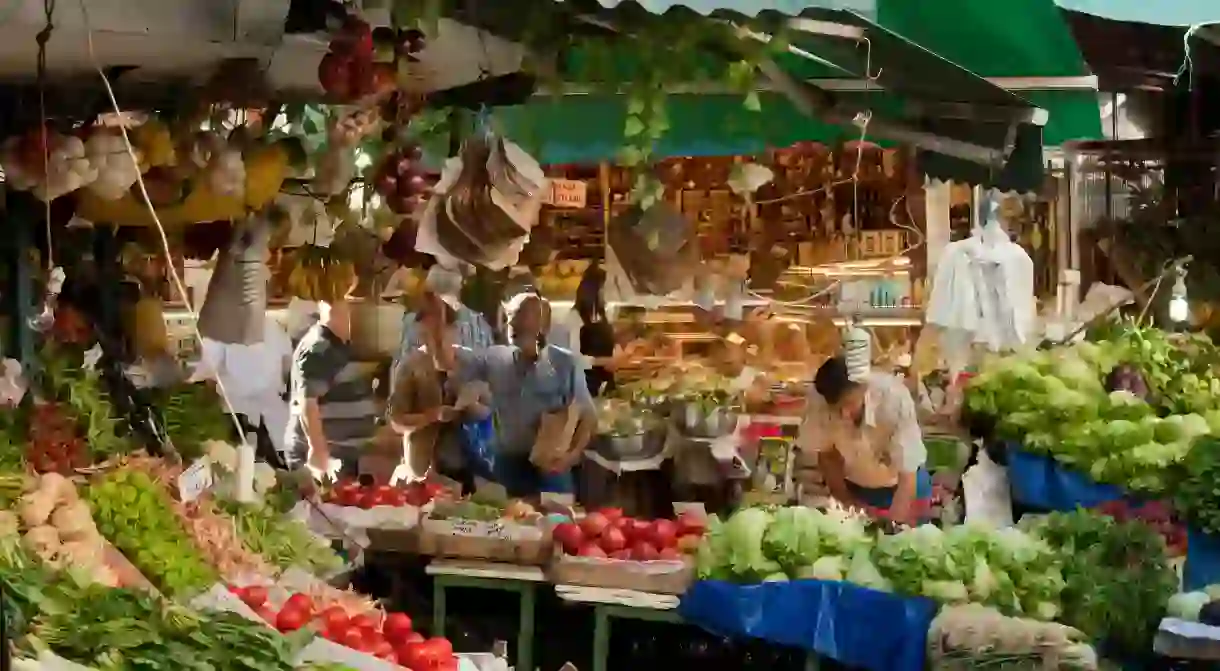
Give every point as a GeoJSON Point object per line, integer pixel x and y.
{"type": "Point", "coordinates": [529, 379]}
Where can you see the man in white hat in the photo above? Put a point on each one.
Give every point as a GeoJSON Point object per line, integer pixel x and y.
{"type": "Point", "coordinates": [472, 329]}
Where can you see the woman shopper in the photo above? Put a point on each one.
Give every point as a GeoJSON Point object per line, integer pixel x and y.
{"type": "Point", "coordinates": [433, 392]}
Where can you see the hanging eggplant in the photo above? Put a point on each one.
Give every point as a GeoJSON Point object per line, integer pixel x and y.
{"type": "Point", "coordinates": [234, 311]}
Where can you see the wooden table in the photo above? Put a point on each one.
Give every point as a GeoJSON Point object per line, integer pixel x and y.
{"type": "Point", "coordinates": [628, 605]}
{"type": "Point", "coordinates": [523, 580]}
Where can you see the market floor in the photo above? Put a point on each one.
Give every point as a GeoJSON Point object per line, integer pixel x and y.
{"type": "Point", "coordinates": [478, 618]}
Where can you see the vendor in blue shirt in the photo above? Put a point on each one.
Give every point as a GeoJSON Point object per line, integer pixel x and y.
{"type": "Point", "coordinates": [529, 379]}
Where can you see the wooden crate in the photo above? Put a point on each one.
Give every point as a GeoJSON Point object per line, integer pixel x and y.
{"type": "Point", "coordinates": [508, 542]}
{"type": "Point", "coordinates": [656, 577]}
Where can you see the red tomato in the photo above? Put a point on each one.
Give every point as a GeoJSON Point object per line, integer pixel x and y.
{"type": "Point", "coordinates": [640, 529]}
{"type": "Point", "coordinates": [613, 539]}
{"type": "Point", "coordinates": [354, 638]}
{"type": "Point", "coordinates": [412, 655]}
{"type": "Point", "coordinates": [300, 602]}
{"type": "Point", "coordinates": [364, 622]}
{"type": "Point", "coordinates": [334, 617]}
{"type": "Point", "coordinates": [440, 646]}
{"type": "Point", "coordinates": [664, 533]}
{"type": "Point", "coordinates": [368, 499]}
{"type": "Point", "coordinates": [670, 554]}
{"type": "Point", "coordinates": [592, 550]}
{"type": "Point", "coordinates": [234, 589]}
{"type": "Point", "coordinates": [290, 619]}
{"type": "Point", "coordinates": [447, 664]}
{"type": "Point", "coordinates": [382, 648]}
{"type": "Point", "coordinates": [569, 536]}
{"type": "Point", "coordinates": [689, 524]}
{"type": "Point", "coordinates": [611, 514]}
{"type": "Point", "coordinates": [347, 497]}
{"type": "Point", "coordinates": [594, 524]}
{"type": "Point", "coordinates": [414, 637]}
{"type": "Point", "coordinates": [254, 596]}
{"type": "Point", "coordinates": [433, 489]}
{"type": "Point", "coordinates": [642, 551]}
{"type": "Point", "coordinates": [396, 626]}
{"type": "Point", "coordinates": [398, 498]}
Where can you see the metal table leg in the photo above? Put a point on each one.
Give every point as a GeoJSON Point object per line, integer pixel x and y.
{"type": "Point", "coordinates": [438, 606]}
{"type": "Point", "coordinates": [601, 638]}
{"type": "Point", "coordinates": [525, 631]}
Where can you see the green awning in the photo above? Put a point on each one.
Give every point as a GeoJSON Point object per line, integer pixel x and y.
{"type": "Point", "coordinates": [938, 97]}
{"type": "Point", "coordinates": [1013, 38]}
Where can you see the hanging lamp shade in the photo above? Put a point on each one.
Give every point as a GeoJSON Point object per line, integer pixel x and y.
{"type": "Point", "coordinates": [234, 310]}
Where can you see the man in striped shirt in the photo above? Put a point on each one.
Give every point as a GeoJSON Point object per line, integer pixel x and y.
{"type": "Point", "coordinates": [332, 413]}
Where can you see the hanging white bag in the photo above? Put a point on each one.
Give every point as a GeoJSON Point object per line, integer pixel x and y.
{"type": "Point", "coordinates": [988, 498]}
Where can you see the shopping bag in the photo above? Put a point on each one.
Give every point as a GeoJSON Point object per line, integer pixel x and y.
{"type": "Point", "coordinates": [988, 498]}
{"type": "Point", "coordinates": [554, 438]}
{"type": "Point", "coordinates": [478, 449]}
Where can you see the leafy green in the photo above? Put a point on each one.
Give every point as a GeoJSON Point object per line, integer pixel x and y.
{"type": "Point", "coordinates": [1197, 496]}
{"type": "Point", "coordinates": [1117, 581]}
{"type": "Point", "coordinates": [134, 513]}
{"type": "Point", "coordinates": [281, 540]}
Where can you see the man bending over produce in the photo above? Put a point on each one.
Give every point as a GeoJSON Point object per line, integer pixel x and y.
{"type": "Point", "coordinates": [867, 442]}
{"type": "Point", "coordinates": [331, 408]}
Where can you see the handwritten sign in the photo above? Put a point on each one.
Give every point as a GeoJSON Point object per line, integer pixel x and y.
{"type": "Point", "coordinates": [478, 528]}
{"type": "Point", "coordinates": [566, 193]}
{"type": "Point", "coordinates": [195, 480]}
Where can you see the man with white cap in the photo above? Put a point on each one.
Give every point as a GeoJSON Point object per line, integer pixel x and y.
{"type": "Point", "coordinates": [471, 328]}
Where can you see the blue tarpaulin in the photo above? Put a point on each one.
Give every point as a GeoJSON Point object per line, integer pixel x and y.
{"type": "Point", "coordinates": [1202, 560]}
{"type": "Point", "coordinates": [1038, 481]}
{"type": "Point", "coordinates": [852, 625]}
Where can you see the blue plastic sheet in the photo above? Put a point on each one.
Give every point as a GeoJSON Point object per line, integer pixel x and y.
{"type": "Point", "coordinates": [1038, 481]}
{"type": "Point", "coordinates": [853, 625]}
{"type": "Point", "coordinates": [1202, 560]}
{"type": "Point", "coordinates": [478, 446]}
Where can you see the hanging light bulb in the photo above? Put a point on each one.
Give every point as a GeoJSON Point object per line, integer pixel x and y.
{"type": "Point", "coordinates": [1179, 309]}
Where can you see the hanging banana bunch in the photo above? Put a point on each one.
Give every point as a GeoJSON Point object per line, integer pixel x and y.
{"type": "Point", "coordinates": [318, 274]}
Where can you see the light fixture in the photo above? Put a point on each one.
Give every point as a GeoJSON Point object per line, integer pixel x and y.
{"type": "Point", "coordinates": [1179, 309]}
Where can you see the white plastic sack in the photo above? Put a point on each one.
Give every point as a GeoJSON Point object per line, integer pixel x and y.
{"type": "Point", "coordinates": [988, 498]}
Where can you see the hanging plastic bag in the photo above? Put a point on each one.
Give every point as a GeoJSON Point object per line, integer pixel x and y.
{"type": "Point", "coordinates": [988, 499]}
{"type": "Point", "coordinates": [477, 439]}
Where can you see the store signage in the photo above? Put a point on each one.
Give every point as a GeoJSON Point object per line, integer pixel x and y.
{"type": "Point", "coordinates": [566, 193]}
{"type": "Point", "coordinates": [479, 528]}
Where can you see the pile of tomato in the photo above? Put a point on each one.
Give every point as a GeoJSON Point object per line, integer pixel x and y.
{"type": "Point", "coordinates": [391, 637]}
{"type": "Point", "coordinates": [353, 494]}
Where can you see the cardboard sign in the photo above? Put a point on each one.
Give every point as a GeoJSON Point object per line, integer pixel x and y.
{"type": "Point", "coordinates": [566, 193]}
{"type": "Point", "coordinates": [195, 480]}
{"type": "Point", "coordinates": [479, 528]}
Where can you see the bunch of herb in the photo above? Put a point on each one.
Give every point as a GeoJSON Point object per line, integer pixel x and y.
{"type": "Point", "coordinates": [131, 629]}
{"type": "Point", "coordinates": [281, 540]}
{"type": "Point", "coordinates": [1117, 579]}
{"type": "Point", "coordinates": [66, 378]}
{"type": "Point", "coordinates": [192, 415]}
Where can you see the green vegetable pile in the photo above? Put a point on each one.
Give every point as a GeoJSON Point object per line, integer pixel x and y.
{"type": "Point", "coordinates": [1117, 580]}
{"type": "Point", "coordinates": [1006, 568]}
{"type": "Point", "coordinates": [125, 630]}
{"type": "Point", "coordinates": [135, 514]}
{"type": "Point", "coordinates": [1056, 402]}
{"type": "Point", "coordinates": [193, 414]}
{"type": "Point", "coordinates": [280, 540]}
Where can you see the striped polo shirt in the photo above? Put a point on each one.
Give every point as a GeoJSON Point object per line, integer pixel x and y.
{"type": "Point", "coordinates": [323, 369]}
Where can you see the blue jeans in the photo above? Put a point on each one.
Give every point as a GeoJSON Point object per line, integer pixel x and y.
{"type": "Point", "coordinates": [522, 478]}
{"type": "Point", "coordinates": [882, 497]}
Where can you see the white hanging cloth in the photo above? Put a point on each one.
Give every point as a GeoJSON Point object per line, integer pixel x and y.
{"type": "Point", "coordinates": [983, 289]}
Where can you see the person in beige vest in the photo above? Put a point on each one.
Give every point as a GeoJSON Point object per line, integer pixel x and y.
{"type": "Point", "coordinates": [865, 436]}
{"type": "Point", "coordinates": [432, 391]}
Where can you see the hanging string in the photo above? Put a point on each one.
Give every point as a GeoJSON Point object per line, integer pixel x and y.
{"type": "Point", "coordinates": [44, 36]}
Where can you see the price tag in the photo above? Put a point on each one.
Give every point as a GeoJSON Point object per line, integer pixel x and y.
{"type": "Point", "coordinates": [477, 528]}
{"type": "Point", "coordinates": [195, 480]}
{"type": "Point", "coordinates": [567, 193]}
